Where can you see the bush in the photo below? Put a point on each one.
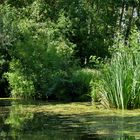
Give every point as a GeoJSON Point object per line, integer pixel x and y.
{"type": "Point", "coordinates": [8, 36]}
{"type": "Point", "coordinates": [38, 56]}
{"type": "Point", "coordinates": [74, 85]}
{"type": "Point", "coordinates": [81, 80]}
{"type": "Point", "coordinates": [21, 85]}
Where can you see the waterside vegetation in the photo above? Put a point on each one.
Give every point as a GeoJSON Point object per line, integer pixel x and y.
{"type": "Point", "coordinates": [71, 51]}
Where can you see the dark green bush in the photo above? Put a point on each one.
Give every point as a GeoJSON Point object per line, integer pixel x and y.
{"type": "Point", "coordinates": [72, 86]}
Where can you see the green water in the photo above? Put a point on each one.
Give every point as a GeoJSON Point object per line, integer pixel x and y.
{"type": "Point", "coordinates": [20, 120]}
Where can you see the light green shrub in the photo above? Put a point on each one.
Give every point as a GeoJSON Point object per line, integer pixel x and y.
{"type": "Point", "coordinates": [21, 85]}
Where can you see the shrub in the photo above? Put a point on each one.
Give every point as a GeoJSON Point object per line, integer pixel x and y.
{"type": "Point", "coordinates": [8, 35]}
{"type": "Point", "coordinates": [21, 85]}
{"type": "Point", "coordinates": [74, 85]}
{"type": "Point", "coordinates": [81, 80]}
{"type": "Point", "coordinates": [38, 56]}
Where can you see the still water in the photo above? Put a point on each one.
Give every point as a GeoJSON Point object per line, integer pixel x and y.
{"type": "Point", "coordinates": [20, 120]}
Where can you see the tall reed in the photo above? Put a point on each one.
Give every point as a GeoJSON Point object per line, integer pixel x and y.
{"type": "Point", "coordinates": [120, 81]}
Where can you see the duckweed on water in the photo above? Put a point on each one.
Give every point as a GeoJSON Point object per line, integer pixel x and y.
{"type": "Point", "coordinates": [75, 120]}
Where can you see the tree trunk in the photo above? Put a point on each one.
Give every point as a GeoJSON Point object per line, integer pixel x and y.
{"type": "Point", "coordinates": [129, 24]}
{"type": "Point", "coordinates": [122, 13]}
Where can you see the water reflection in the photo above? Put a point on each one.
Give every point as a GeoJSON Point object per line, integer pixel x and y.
{"type": "Point", "coordinates": [18, 117]}
{"type": "Point", "coordinates": [19, 121]}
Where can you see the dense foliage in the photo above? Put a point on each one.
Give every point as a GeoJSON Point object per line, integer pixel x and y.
{"type": "Point", "coordinates": [51, 48]}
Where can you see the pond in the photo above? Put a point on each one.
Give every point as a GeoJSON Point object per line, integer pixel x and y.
{"type": "Point", "coordinates": [20, 120]}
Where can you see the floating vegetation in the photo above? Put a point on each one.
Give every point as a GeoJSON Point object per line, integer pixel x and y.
{"type": "Point", "coordinates": [72, 120]}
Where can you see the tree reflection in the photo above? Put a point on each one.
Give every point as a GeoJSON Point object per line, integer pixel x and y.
{"type": "Point", "coordinates": [17, 119]}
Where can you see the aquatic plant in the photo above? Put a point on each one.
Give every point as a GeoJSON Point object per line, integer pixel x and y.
{"type": "Point", "coordinates": [119, 86]}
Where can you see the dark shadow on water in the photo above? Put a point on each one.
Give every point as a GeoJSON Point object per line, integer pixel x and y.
{"type": "Point", "coordinates": [5, 103]}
